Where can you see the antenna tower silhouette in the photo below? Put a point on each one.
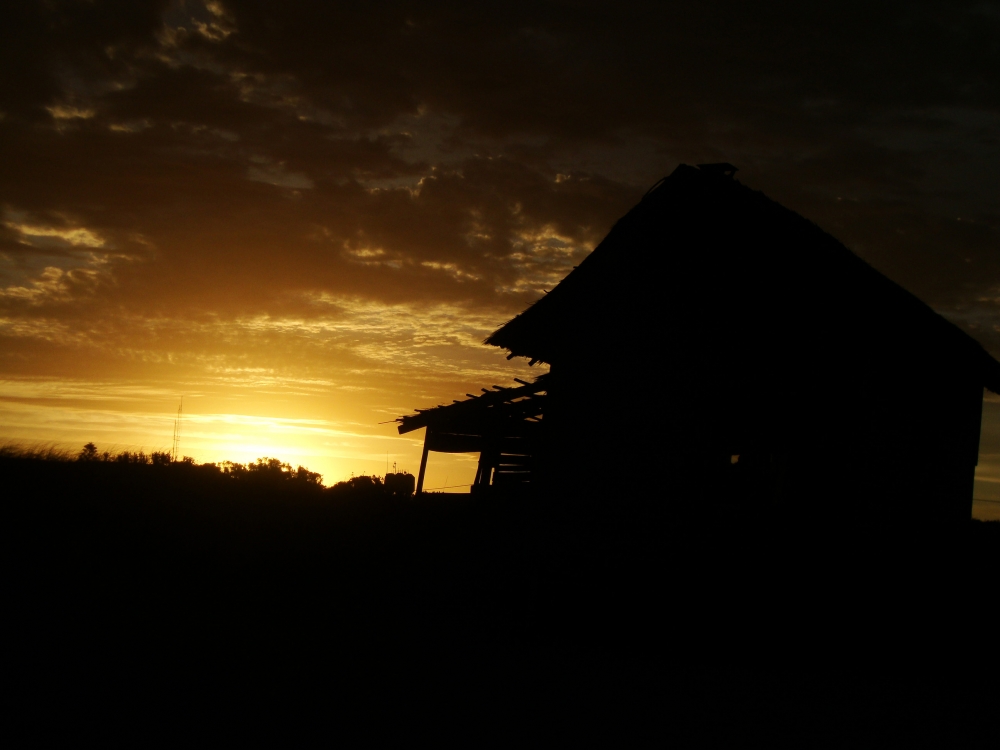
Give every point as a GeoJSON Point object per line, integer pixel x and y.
{"type": "Point", "coordinates": [177, 431]}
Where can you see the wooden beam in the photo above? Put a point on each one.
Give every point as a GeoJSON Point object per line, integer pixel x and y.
{"type": "Point", "coordinates": [445, 441]}
{"type": "Point", "coordinates": [423, 464]}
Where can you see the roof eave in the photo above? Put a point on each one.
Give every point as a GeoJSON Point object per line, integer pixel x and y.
{"type": "Point", "coordinates": [991, 373]}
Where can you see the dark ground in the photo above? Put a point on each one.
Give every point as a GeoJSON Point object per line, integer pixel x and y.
{"type": "Point", "coordinates": [166, 597]}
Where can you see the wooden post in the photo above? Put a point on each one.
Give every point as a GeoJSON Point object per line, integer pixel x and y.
{"type": "Point", "coordinates": [423, 463]}
{"type": "Point", "coordinates": [483, 469]}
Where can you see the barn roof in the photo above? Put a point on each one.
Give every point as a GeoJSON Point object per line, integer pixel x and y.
{"type": "Point", "coordinates": [702, 251]}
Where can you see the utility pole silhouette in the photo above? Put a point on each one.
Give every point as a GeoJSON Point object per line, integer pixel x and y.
{"type": "Point", "coordinates": [177, 431]}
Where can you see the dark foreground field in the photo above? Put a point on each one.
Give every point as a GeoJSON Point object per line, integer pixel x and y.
{"type": "Point", "coordinates": [166, 596]}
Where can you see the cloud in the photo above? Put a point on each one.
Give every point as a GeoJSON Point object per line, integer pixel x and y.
{"type": "Point", "coordinates": [276, 174]}
{"type": "Point", "coordinates": [53, 284]}
{"type": "Point", "coordinates": [75, 236]}
{"type": "Point", "coordinates": [136, 126]}
{"type": "Point", "coordinates": [472, 113]}
{"type": "Point", "coordinates": [66, 112]}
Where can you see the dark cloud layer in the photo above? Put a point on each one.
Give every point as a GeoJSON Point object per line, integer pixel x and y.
{"type": "Point", "coordinates": [195, 160]}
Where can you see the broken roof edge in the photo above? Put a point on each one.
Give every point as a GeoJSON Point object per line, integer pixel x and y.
{"type": "Point", "coordinates": [500, 397]}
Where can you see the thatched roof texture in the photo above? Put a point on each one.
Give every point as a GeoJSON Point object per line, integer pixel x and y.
{"type": "Point", "coordinates": [710, 269]}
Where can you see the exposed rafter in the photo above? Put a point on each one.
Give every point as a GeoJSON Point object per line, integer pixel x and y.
{"type": "Point", "coordinates": [484, 412]}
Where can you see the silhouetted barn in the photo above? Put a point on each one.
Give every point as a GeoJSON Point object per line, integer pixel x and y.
{"type": "Point", "coordinates": [718, 347]}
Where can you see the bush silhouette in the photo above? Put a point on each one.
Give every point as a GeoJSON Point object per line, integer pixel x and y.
{"type": "Point", "coordinates": [400, 485]}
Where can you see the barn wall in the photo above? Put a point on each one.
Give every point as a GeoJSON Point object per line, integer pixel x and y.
{"type": "Point", "coordinates": [866, 451]}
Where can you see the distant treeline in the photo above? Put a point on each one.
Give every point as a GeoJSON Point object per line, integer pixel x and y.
{"type": "Point", "coordinates": [264, 472]}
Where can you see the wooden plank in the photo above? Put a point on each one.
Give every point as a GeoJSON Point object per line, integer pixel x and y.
{"type": "Point", "coordinates": [444, 442]}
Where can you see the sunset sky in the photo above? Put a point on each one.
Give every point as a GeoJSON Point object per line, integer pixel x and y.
{"type": "Point", "coordinates": [305, 217]}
